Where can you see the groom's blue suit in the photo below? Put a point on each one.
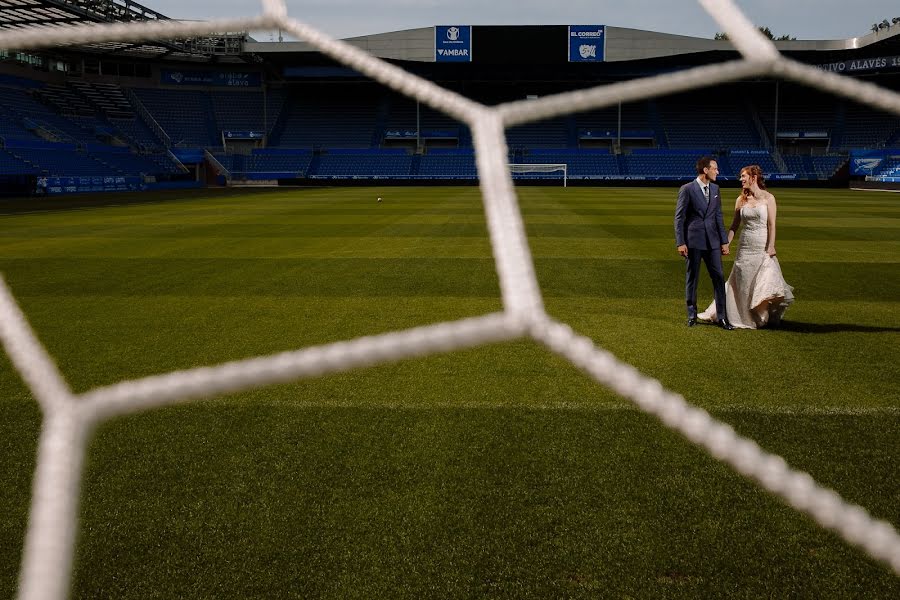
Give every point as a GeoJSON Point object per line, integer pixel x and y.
{"type": "Point", "coordinates": [699, 226]}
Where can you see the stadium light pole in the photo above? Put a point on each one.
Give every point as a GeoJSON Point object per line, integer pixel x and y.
{"type": "Point", "coordinates": [619, 131]}
{"type": "Point", "coordinates": [418, 129]}
{"type": "Point", "coordinates": [265, 107]}
{"type": "Point", "coordinates": [775, 126]}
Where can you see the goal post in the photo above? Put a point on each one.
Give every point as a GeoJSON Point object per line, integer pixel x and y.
{"type": "Point", "coordinates": [542, 168]}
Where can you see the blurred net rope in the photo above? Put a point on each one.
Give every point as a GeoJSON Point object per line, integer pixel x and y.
{"type": "Point", "coordinates": [69, 418]}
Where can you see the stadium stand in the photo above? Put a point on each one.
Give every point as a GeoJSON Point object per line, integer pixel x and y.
{"type": "Point", "coordinates": [137, 134]}
{"type": "Point", "coordinates": [448, 163]}
{"type": "Point", "coordinates": [386, 163]}
{"type": "Point", "coordinates": [331, 123]}
{"type": "Point", "coordinates": [801, 165]}
{"type": "Point", "coordinates": [581, 164]}
{"type": "Point", "coordinates": [825, 166]}
{"type": "Point", "coordinates": [124, 162]}
{"type": "Point", "coordinates": [601, 127]}
{"type": "Point", "coordinates": [401, 116]}
{"type": "Point", "coordinates": [107, 98]}
{"type": "Point", "coordinates": [889, 168]}
{"type": "Point", "coordinates": [40, 120]}
{"type": "Point", "coordinates": [11, 125]}
{"type": "Point", "coordinates": [13, 164]}
{"type": "Point", "coordinates": [665, 163]}
{"type": "Point", "coordinates": [698, 120]}
{"type": "Point", "coordinates": [51, 130]}
{"type": "Point", "coordinates": [275, 161]}
{"type": "Point", "coordinates": [866, 127]}
{"type": "Point", "coordinates": [65, 100]}
{"type": "Point", "coordinates": [735, 160]}
{"type": "Point", "coordinates": [243, 111]}
{"type": "Point", "coordinates": [60, 160]}
{"type": "Point", "coordinates": [267, 163]}
{"type": "Point", "coordinates": [335, 116]}
{"type": "Point", "coordinates": [186, 115]}
{"type": "Point", "coordinates": [554, 133]}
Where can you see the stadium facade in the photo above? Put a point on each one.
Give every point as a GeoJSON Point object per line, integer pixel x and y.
{"type": "Point", "coordinates": [229, 109]}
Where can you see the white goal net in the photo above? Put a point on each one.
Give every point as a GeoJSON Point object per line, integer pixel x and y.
{"type": "Point", "coordinates": [562, 169]}
{"type": "Point", "coordinates": [69, 418]}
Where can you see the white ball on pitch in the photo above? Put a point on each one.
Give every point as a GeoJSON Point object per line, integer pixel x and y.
{"type": "Point", "coordinates": [379, 198]}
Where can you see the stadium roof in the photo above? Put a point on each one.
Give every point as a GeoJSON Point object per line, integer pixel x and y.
{"type": "Point", "coordinates": [622, 44]}
{"type": "Point", "coordinates": [56, 13]}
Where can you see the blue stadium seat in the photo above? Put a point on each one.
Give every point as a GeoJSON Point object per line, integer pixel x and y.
{"type": "Point", "coordinates": [186, 116]}
{"type": "Point", "coordinates": [333, 117]}
{"type": "Point", "coordinates": [699, 120]}
{"type": "Point", "coordinates": [580, 164]}
{"type": "Point", "coordinates": [349, 163]}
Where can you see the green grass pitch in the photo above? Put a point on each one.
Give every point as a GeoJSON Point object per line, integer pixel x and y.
{"type": "Point", "coordinates": [500, 472]}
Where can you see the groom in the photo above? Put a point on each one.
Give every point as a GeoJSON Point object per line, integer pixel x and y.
{"type": "Point", "coordinates": [700, 235]}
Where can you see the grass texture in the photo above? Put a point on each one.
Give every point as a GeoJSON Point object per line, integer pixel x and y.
{"type": "Point", "coordinates": [498, 472]}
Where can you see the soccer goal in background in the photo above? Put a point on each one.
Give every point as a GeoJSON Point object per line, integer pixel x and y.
{"type": "Point", "coordinates": [522, 168]}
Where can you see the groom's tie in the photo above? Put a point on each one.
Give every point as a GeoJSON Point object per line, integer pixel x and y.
{"type": "Point", "coordinates": [706, 193]}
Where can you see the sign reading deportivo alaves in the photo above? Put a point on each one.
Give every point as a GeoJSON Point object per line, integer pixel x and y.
{"type": "Point", "coordinates": [587, 43]}
{"type": "Point", "coordinates": [453, 43]}
{"type": "Point", "coordinates": [210, 78]}
{"type": "Point", "coordinates": [889, 63]}
{"type": "Point", "coordinates": [243, 135]}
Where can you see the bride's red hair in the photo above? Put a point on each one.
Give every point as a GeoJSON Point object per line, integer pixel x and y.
{"type": "Point", "coordinates": [753, 171]}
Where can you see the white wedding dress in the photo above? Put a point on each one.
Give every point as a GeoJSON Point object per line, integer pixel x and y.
{"type": "Point", "coordinates": [756, 293]}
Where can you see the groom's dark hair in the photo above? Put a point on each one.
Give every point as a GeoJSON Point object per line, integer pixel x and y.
{"type": "Point", "coordinates": [703, 163]}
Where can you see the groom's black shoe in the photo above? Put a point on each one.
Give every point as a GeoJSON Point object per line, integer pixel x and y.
{"type": "Point", "coordinates": [692, 321]}
{"type": "Point", "coordinates": [724, 324]}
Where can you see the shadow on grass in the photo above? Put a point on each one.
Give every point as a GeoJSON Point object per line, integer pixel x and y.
{"type": "Point", "coordinates": [798, 327]}
{"type": "Point", "coordinates": [36, 204]}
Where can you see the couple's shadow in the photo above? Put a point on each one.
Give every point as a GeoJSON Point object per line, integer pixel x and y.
{"type": "Point", "coordinates": [799, 327]}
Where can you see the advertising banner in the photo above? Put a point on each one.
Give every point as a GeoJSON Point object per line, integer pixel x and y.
{"type": "Point", "coordinates": [243, 135]}
{"type": "Point", "coordinates": [866, 162]}
{"type": "Point", "coordinates": [210, 78]}
{"type": "Point", "coordinates": [453, 43]}
{"type": "Point", "coordinates": [72, 185]}
{"type": "Point", "coordinates": [587, 43]}
{"type": "Point", "coordinates": [407, 134]}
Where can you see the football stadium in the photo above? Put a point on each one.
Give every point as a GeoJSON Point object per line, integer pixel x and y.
{"type": "Point", "coordinates": [402, 315]}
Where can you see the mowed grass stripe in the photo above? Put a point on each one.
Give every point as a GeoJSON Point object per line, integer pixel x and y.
{"type": "Point", "coordinates": [100, 340]}
{"type": "Point", "coordinates": [446, 229]}
{"type": "Point", "coordinates": [378, 503]}
{"type": "Point", "coordinates": [818, 357]}
{"type": "Point", "coordinates": [471, 277]}
{"type": "Point", "coordinates": [790, 251]}
{"type": "Point", "coordinates": [275, 201]}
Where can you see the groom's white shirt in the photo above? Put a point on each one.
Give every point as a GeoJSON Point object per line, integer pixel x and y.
{"type": "Point", "coordinates": [701, 184]}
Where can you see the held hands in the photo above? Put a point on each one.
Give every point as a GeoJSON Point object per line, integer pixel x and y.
{"type": "Point", "coordinates": [683, 250]}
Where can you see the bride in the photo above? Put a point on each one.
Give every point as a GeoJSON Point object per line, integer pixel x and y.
{"type": "Point", "coordinates": [756, 293]}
